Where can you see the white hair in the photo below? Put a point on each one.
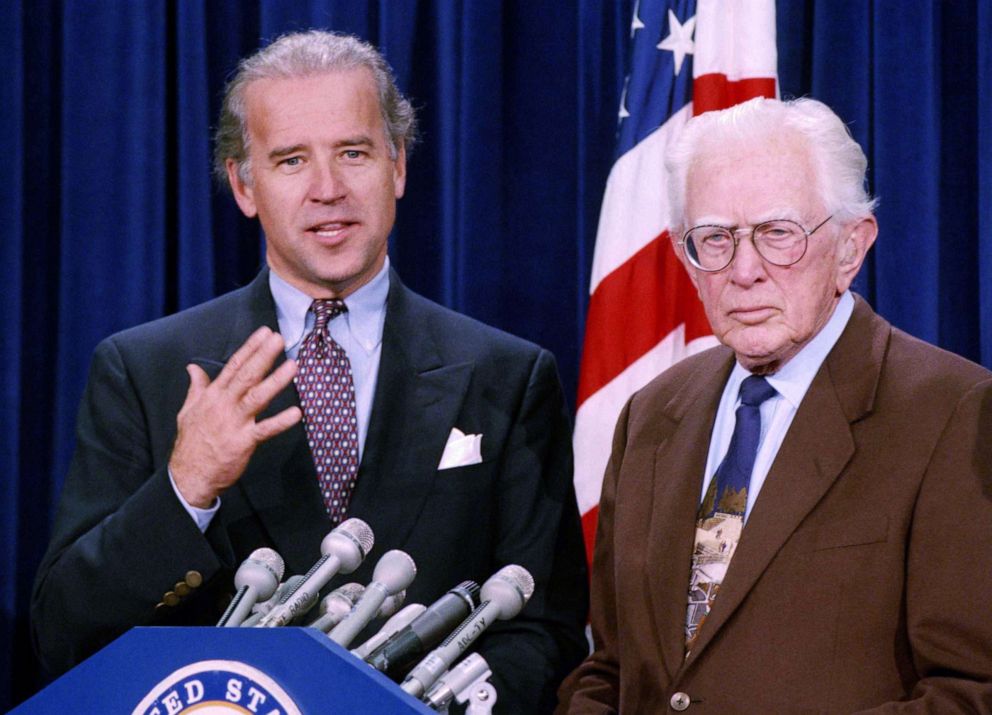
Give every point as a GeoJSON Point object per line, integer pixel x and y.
{"type": "Point", "coordinates": [837, 159]}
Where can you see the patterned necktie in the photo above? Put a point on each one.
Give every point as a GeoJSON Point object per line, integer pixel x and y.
{"type": "Point", "coordinates": [721, 515]}
{"type": "Point", "coordinates": [327, 396]}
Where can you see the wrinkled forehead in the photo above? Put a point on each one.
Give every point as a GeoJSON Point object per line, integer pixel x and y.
{"type": "Point", "coordinates": [751, 180]}
{"type": "Point", "coordinates": [348, 88]}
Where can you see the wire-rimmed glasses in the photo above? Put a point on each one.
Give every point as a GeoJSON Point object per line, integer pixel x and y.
{"type": "Point", "coordinates": [781, 242]}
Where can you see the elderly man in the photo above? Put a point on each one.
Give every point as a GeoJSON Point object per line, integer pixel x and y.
{"type": "Point", "coordinates": [799, 520]}
{"type": "Point", "coordinates": [195, 447]}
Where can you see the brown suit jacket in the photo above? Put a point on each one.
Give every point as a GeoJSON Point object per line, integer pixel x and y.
{"type": "Point", "coordinates": [864, 574]}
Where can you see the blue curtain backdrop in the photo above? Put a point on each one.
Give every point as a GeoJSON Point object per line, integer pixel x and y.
{"type": "Point", "coordinates": [110, 219]}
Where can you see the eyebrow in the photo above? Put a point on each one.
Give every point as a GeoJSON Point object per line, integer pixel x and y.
{"type": "Point", "coordinates": [280, 152]}
{"type": "Point", "coordinates": [360, 140]}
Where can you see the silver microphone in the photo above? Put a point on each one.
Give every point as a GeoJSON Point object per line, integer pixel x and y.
{"type": "Point", "coordinates": [503, 597]}
{"type": "Point", "coordinates": [343, 550]}
{"type": "Point", "coordinates": [336, 605]}
{"type": "Point", "coordinates": [394, 625]}
{"type": "Point", "coordinates": [256, 579]}
{"type": "Point", "coordinates": [263, 607]}
{"type": "Point", "coordinates": [393, 573]}
{"type": "Point", "coordinates": [473, 668]}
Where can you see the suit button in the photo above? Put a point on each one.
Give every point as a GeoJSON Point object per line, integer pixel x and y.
{"type": "Point", "coordinates": [170, 599]}
{"type": "Point", "coordinates": [679, 702]}
{"type": "Point", "coordinates": [193, 579]}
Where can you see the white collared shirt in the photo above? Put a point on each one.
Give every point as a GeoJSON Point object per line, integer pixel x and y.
{"type": "Point", "coordinates": [358, 331]}
{"type": "Point", "coordinates": [791, 382]}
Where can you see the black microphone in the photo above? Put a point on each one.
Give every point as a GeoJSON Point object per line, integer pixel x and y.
{"type": "Point", "coordinates": [399, 653]}
{"type": "Point", "coordinates": [503, 596]}
{"type": "Point", "coordinates": [256, 580]}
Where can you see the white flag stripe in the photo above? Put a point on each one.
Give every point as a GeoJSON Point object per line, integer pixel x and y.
{"type": "Point", "coordinates": [735, 38]}
{"type": "Point", "coordinates": [597, 418]}
{"type": "Point", "coordinates": [637, 179]}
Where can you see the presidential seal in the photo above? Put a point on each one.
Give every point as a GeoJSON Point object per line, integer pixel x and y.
{"type": "Point", "coordinates": [217, 687]}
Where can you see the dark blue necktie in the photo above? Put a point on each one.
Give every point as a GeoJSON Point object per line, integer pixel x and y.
{"type": "Point", "coordinates": [734, 473]}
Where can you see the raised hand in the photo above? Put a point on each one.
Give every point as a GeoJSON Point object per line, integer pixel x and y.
{"type": "Point", "coordinates": [217, 427]}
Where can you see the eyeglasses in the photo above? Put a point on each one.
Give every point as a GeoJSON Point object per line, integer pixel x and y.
{"type": "Point", "coordinates": [780, 242]}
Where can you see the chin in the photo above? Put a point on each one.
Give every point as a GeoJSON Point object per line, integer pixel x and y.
{"type": "Point", "coordinates": [759, 359]}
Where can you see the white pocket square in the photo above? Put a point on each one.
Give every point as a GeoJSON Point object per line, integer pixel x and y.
{"type": "Point", "coordinates": [461, 450]}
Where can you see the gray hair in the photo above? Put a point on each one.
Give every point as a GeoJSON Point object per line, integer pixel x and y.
{"type": "Point", "coordinates": [304, 54]}
{"type": "Point", "coordinates": [838, 161]}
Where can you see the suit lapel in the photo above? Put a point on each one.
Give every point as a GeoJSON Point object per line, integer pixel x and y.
{"type": "Point", "coordinates": [818, 446]}
{"type": "Point", "coordinates": [280, 481]}
{"type": "Point", "coordinates": [417, 400]}
{"type": "Point", "coordinates": [676, 500]}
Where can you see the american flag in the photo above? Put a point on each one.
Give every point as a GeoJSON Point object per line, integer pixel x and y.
{"type": "Point", "coordinates": [689, 57]}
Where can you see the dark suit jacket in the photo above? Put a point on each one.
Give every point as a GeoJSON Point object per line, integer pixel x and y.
{"type": "Point", "coordinates": [864, 573]}
{"type": "Point", "coordinates": [122, 539]}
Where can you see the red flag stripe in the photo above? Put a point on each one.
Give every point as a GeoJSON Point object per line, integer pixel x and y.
{"type": "Point", "coordinates": [633, 309]}
{"type": "Point", "coordinates": [715, 91]}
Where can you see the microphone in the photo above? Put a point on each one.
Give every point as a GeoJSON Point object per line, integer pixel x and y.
{"type": "Point", "coordinates": [451, 683]}
{"type": "Point", "coordinates": [263, 607]}
{"type": "Point", "coordinates": [503, 596]}
{"type": "Point", "coordinates": [399, 653]}
{"type": "Point", "coordinates": [391, 605]}
{"type": "Point", "coordinates": [399, 621]}
{"type": "Point", "coordinates": [343, 550]}
{"type": "Point", "coordinates": [336, 605]}
{"type": "Point", "coordinates": [394, 572]}
{"type": "Point", "coordinates": [257, 578]}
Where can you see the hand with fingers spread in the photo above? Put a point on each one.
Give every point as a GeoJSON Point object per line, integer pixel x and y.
{"type": "Point", "coordinates": [217, 427]}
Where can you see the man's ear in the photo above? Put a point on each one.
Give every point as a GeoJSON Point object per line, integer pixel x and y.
{"type": "Point", "coordinates": [242, 191]}
{"type": "Point", "coordinates": [399, 173]}
{"type": "Point", "coordinates": [855, 240]}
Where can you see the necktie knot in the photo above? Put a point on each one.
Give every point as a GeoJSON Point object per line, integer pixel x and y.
{"type": "Point", "coordinates": [325, 310]}
{"type": "Point", "coordinates": [755, 390]}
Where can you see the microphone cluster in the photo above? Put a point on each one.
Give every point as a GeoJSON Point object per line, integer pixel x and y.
{"type": "Point", "coordinates": [418, 646]}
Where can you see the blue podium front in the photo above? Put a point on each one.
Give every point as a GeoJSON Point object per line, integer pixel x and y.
{"type": "Point", "coordinates": [219, 671]}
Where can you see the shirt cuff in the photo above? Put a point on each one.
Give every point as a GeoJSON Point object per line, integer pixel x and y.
{"type": "Point", "coordinates": [202, 517]}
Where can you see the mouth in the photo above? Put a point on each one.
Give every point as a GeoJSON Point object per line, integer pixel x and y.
{"type": "Point", "coordinates": [752, 315]}
{"type": "Point", "coordinates": [331, 232]}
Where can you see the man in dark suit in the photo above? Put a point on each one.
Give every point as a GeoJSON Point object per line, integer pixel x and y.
{"type": "Point", "coordinates": [195, 447]}
{"type": "Point", "coordinates": [799, 520]}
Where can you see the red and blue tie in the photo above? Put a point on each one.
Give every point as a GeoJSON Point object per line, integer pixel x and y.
{"type": "Point", "coordinates": [327, 396]}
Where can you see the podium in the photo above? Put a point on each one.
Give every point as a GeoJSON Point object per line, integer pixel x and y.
{"type": "Point", "coordinates": [221, 671]}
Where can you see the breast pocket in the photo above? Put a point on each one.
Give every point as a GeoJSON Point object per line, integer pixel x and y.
{"type": "Point", "coordinates": [467, 479]}
{"type": "Point", "coordinates": [848, 533]}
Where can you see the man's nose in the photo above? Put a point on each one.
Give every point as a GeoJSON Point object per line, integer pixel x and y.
{"type": "Point", "coordinates": [748, 266]}
{"type": "Point", "coordinates": [327, 185]}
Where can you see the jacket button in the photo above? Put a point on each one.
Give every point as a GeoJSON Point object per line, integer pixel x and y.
{"type": "Point", "coordinates": [170, 598]}
{"type": "Point", "coordinates": [679, 702]}
{"type": "Point", "coordinates": [193, 579]}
